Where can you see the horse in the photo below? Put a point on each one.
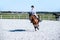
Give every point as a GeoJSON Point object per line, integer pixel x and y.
{"type": "Point", "coordinates": [35, 22]}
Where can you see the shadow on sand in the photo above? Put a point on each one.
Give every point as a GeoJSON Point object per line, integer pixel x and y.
{"type": "Point", "coordinates": [17, 30]}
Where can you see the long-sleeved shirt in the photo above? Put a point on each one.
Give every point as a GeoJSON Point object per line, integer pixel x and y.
{"type": "Point", "coordinates": [33, 12]}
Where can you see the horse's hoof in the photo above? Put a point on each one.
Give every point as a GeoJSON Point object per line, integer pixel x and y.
{"type": "Point", "coordinates": [37, 28]}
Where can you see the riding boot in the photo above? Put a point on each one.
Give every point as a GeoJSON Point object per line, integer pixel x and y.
{"type": "Point", "coordinates": [30, 19]}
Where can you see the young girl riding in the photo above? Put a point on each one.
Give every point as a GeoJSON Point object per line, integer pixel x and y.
{"type": "Point", "coordinates": [33, 12]}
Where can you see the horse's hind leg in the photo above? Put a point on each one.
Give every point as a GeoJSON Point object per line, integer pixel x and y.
{"type": "Point", "coordinates": [35, 28]}
{"type": "Point", "coordinates": [38, 28]}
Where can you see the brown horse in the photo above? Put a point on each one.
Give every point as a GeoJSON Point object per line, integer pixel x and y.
{"type": "Point", "coordinates": [35, 21]}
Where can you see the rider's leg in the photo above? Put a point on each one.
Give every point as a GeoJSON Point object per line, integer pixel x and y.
{"type": "Point", "coordinates": [30, 18]}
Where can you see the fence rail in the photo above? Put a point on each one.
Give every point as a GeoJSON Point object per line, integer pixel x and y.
{"type": "Point", "coordinates": [25, 16]}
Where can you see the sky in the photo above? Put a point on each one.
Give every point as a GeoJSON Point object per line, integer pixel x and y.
{"type": "Point", "coordinates": [25, 5]}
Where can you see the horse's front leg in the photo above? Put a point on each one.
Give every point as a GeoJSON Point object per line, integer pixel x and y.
{"type": "Point", "coordinates": [38, 27]}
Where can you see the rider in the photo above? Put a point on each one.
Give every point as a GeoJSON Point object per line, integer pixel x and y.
{"type": "Point", "coordinates": [33, 12]}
